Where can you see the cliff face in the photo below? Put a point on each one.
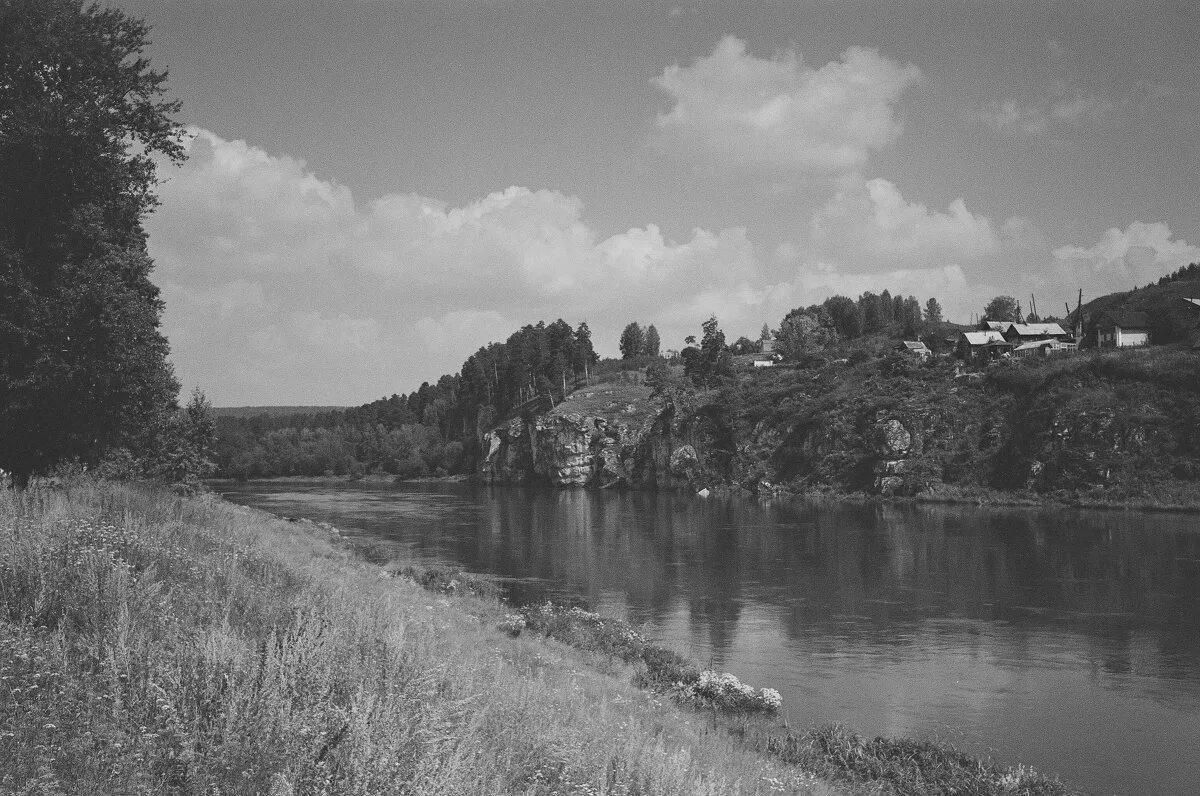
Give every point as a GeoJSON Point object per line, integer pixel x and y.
{"type": "Point", "coordinates": [1085, 428]}
{"type": "Point", "coordinates": [618, 437]}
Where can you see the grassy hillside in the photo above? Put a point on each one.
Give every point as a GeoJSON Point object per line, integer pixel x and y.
{"type": "Point", "coordinates": [1173, 319]}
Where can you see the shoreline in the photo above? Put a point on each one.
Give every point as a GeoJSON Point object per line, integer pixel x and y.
{"type": "Point", "coordinates": [979, 497]}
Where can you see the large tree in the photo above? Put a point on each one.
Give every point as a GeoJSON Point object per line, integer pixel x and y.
{"type": "Point", "coordinates": [633, 340]}
{"type": "Point", "coordinates": [711, 361]}
{"type": "Point", "coordinates": [803, 333]}
{"type": "Point", "coordinates": [933, 311]}
{"type": "Point", "coordinates": [651, 343]}
{"type": "Point", "coordinates": [83, 366]}
{"type": "Point", "coordinates": [1002, 308]}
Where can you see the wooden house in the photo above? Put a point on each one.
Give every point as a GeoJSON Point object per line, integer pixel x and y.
{"type": "Point", "coordinates": [981, 347]}
{"type": "Point", "coordinates": [915, 347]}
{"type": "Point", "coordinates": [1020, 333]}
{"type": "Point", "coordinates": [1123, 330]}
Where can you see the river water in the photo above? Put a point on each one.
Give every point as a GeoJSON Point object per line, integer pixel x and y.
{"type": "Point", "coordinates": [1067, 640]}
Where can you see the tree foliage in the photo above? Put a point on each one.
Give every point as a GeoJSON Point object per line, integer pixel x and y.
{"type": "Point", "coordinates": [83, 366]}
{"type": "Point", "coordinates": [933, 311]}
{"type": "Point", "coordinates": [711, 361]}
{"type": "Point", "coordinates": [1003, 308]}
{"type": "Point", "coordinates": [652, 344]}
{"type": "Point", "coordinates": [633, 341]}
{"type": "Point", "coordinates": [803, 333]}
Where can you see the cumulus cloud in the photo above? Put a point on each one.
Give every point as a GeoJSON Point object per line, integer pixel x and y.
{"type": "Point", "coordinates": [279, 282]}
{"type": "Point", "coordinates": [1122, 259]}
{"type": "Point", "coordinates": [731, 109]}
{"type": "Point", "coordinates": [872, 225]}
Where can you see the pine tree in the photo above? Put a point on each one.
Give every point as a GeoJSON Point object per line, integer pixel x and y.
{"type": "Point", "coordinates": [633, 339]}
{"type": "Point", "coordinates": [651, 343]}
{"type": "Point", "coordinates": [933, 311]}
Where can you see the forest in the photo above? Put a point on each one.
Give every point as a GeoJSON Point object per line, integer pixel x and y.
{"type": "Point", "coordinates": [430, 431]}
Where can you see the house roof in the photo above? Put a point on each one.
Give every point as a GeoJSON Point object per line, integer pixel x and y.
{"type": "Point", "coordinates": [1129, 320]}
{"type": "Point", "coordinates": [1193, 301]}
{"type": "Point", "coordinates": [984, 338]}
{"type": "Point", "coordinates": [998, 326]}
{"type": "Point", "coordinates": [1036, 329]}
{"type": "Point", "coordinates": [914, 346]}
{"type": "Point", "coordinates": [1032, 344]}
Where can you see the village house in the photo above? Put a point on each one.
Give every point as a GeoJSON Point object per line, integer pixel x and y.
{"type": "Point", "coordinates": [915, 347]}
{"type": "Point", "coordinates": [982, 347]}
{"type": "Point", "coordinates": [1195, 336]}
{"type": "Point", "coordinates": [1123, 330]}
{"type": "Point", "coordinates": [1041, 339]}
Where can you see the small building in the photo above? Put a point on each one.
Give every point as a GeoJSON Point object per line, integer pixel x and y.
{"type": "Point", "coordinates": [1043, 348]}
{"type": "Point", "coordinates": [915, 347]}
{"type": "Point", "coordinates": [764, 363]}
{"type": "Point", "coordinates": [768, 345]}
{"type": "Point", "coordinates": [1123, 330]}
{"type": "Point", "coordinates": [1021, 333]}
{"type": "Point", "coordinates": [982, 347]}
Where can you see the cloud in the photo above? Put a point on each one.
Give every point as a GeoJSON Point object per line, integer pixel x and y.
{"type": "Point", "coordinates": [872, 226]}
{"type": "Point", "coordinates": [731, 109]}
{"type": "Point", "coordinates": [283, 287]}
{"type": "Point", "coordinates": [1123, 259]}
{"type": "Point", "coordinates": [1061, 109]}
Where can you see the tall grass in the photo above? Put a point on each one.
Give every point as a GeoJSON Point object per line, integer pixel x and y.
{"type": "Point", "coordinates": [156, 644]}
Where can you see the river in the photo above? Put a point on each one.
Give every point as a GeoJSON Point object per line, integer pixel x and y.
{"type": "Point", "coordinates": [1068, 640]}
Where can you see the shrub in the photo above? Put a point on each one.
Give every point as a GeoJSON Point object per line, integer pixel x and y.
{"type": "Point", "coordinates": [723, 691]}
{"type": "Point", "coordinates": [448, 580]}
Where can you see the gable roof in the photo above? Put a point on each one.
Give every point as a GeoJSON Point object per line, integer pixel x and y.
{"type": "Point", "coordinates": [1036, 329]}
{"type": "Point", "coordinates": [1193, 301]}
{"type": "Point", "coordinates": [984, 338]}
{"type": "Point", "coordinates": [1128, 320]}
{"type": "Point", "coordinates": [914, 346]}
{"type": "Point", "coordinates": [998, 326]}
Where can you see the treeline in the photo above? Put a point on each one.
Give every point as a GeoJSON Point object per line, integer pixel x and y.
{"type": "Point", "coordinates": [432, 431]}
{"type": "Point", "coordinates": [806, 331]}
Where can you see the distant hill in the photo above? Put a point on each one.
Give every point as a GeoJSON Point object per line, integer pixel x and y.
{"type": "Point", "coordinates": [1171, 318]}
{"type": "Point", "coordinates": [254, 411]}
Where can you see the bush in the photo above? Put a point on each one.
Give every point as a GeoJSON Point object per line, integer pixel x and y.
{"type": "Point", "coordinates": [723, 691]}
{"type": "Point", "coordinates": [447, 580]}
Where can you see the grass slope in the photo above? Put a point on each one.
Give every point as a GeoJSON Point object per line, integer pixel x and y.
{"type": "Point", "coordinates": [151, 644]}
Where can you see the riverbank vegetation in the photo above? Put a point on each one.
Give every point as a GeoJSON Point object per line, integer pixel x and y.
{"type": "Point", "coordinates": [154, 643]}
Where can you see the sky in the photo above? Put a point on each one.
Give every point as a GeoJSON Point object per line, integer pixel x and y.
{"type": "Point", "coordinates": [377, 189]}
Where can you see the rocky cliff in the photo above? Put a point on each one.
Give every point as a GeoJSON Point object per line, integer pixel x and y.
{"type": "Point", "coordinates": [1096, 427]}
{"type": "Point", "coordinates": [615, 436]}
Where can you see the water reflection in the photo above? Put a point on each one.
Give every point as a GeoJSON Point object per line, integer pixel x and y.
{"type": "Point", "coordinates": [1011, 629]}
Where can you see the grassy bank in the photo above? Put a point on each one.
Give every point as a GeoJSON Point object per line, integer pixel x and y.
{"type": "Point", "coordinates": [152, 644]}
{"type": "Point", "coordinates": [157, 644]}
